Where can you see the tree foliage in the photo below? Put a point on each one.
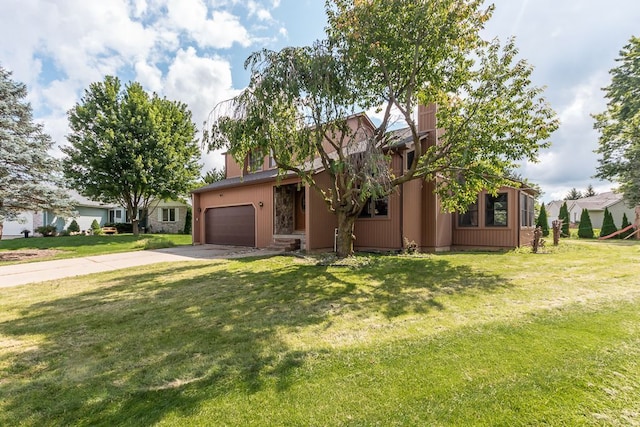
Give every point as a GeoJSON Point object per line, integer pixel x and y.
{"type": "Point", "coordinates": [564, 216]}
{"type": "Point", "coordinates": [589, 192]}
{"type": "Point", "coordinates": [30, 178]}
{"type": "Point", "coordinates": [390, 56]}
{"type": "Point", "coordinates": [608, 225]}
{"type": "Point", "coordinates": [543, 221]}
{"type": "Point", "coordinates": [214, 175]}
{"type": "Point", "coordinates": [619, 125]}
{"type": "Point", "coordinates": [130, 148]}
{"type": "Point", "coordinates": [573, 194]}
{"type": "Point", "coordinates": [585, 229]}
{"type": "Point", "coordinates": [625, 224]}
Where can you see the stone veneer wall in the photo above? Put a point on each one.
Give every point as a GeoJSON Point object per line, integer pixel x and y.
{"type": "Point", "coordinates": [284, 201]}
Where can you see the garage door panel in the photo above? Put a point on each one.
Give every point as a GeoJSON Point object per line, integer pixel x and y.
{"type": "Point", "coordinates": [232, 225]}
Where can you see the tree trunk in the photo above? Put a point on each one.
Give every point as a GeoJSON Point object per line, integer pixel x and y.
{"type": "Point", "coordinates": [134, 227]}
{"type": "Point", "coordinates": [345, 238]}
{"type": "Point", "coordinates": [1, 229]}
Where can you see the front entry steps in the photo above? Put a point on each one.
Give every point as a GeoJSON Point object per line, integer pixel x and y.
{"type": "Point", "coordinates": [287, 243]}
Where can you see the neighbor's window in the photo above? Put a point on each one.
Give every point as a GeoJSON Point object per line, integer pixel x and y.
{"type": "Point", "coordinates": [470, 217]}
{"type": "Point", "coordinates": [496, 214]}
{"type": "Point", "coordinates": [527, 215]}
{"type": "Point", "coordinates": [376, 208]}
{"type": "Point", "coordinates": [169, 215]}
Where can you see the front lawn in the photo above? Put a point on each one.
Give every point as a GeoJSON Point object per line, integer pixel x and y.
{"type": "Point", "coordinates": [450, 339]}
{"type": "Point", "coordinates": [48, 248]}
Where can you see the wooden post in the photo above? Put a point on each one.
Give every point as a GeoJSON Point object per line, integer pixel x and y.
{"type": "Point", "coordinates": [557, 229]}
{"type": "Point", "coordinates": [537, 233]}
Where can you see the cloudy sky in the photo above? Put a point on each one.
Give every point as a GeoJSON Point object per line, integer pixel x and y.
{"type": "Point", "coordinates": [193, 51]}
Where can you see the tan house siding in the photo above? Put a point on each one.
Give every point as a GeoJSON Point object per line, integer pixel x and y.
{"type": "Point", "coordinates": [412, 208]}
{"type": "Point", "coordinates": [491, 236]}
{"type": "Point", "coordinates": [156, 223]}
{"type": "Point", "coordinates": [321, 223]}
{"type": "Point", "coordinates": [254, 195]}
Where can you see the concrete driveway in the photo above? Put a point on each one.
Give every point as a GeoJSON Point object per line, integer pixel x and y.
{"type": "Point", "coordinates": [20, 274]}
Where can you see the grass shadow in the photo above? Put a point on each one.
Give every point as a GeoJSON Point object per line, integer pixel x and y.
{"type": "Point", "coordinates": [144, 343]}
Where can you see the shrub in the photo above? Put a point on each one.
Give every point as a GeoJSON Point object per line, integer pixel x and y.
{"type": "Point", "coordinates": [95, 227]}
{"type": "Point", "coordinates": [608, 226]}
{"type": "Point", "coordinates": [625, 224]}
{"type": "Point", "coordinates": [187, 222]}
{"type": "Point", "coordinates": [564, 216]}
{"type": "Point", "coordinates": [47, 230]}
{"type": "Point", "coordinates": [543, 221]}
{"type": "Point", "coordinates": [73, 227]}
{"type": "Point", "coordinates": [585, 231]}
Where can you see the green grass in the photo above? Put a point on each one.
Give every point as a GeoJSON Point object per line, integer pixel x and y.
{"type": "Point", "coordinates": [79, 246]}
{"type": "Point", "coordinates": [461, 339]}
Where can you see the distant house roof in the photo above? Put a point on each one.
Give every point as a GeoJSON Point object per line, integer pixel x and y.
{"type": "Point", "coordinates": [80, 200]}
{"type": "Point", "coordinates": [599, 201]}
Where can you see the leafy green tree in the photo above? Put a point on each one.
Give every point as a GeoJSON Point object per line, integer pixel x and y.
{"type": "Point", "coordinates": [608, 226]}
{"type": "Point", "coordinates": [564, 216]}
{"type": "Point", "coordinates": [391, 56]}
{"type": "Point", "coordinates": [585, 230]}
{"type": "Point", "coordinates": [625, 224]}
{"type": "Point", "coordinates": [619, 125]}
{"type": "Point", "coordinates": [543, 221]}
{"type": "Point", "coordinates": [30, 178]}
{"type": "Point", "coordinates": [573, 195]}
{"type": "Point", "coordinates": [130, 148]}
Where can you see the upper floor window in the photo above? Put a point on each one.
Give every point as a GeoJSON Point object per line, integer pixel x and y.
{"type": "Point", "coordinates": [376, 208]}
{"type": "Point", "coordinates": [410, 156]}
{"type": "Point", "coordinates": [527, 215]}
{"type": "Point", "coordinates": [272, 160]}
{"type": "Point", "coordinates": [255, 161]}
{"type": "Point", "coordinates": [496, 210]}
{"type": "Point", "coordinates": [470, 217]}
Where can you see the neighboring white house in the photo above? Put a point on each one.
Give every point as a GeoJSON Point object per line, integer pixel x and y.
{"type": "Point", "coordinates": [164, 217]}
{"type": "Point", "coordinates": [14, 229]}
{"type": "Point", "coordinates": [595, 205]}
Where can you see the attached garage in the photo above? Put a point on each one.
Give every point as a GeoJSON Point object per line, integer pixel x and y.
{"type": "Point", "coordinates": [231, 225]}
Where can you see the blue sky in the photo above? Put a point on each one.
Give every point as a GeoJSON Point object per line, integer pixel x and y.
{"type": "Point", "coordinates": [194, 50]}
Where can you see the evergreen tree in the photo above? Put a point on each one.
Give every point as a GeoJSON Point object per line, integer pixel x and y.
{"type": "Point", "coordinates": [73, 227]}
{"type": "Point", "coordinates": [542, 221]}
{"type": "Point", "coordinates": [625, 224]}
{"type": "Point", "coordinates": [608, 226]}
{"type": "Point", "coordinates": [30, 178]}
{"type": "Point", "coordinates": [573, 195]}
{"type": "Point", "coordinates": [585, 230]}
{"type": "Point", "coordinates": [564, 216]}
{"type": "Point", "coordinates": [589, 192]}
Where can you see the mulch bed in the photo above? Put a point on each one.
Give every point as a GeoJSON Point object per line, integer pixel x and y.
{"type": "Point", "coordinates": [27, 254]}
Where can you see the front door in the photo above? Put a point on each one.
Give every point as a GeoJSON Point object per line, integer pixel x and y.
{"type": "Point", "coordinates": [300, 208]}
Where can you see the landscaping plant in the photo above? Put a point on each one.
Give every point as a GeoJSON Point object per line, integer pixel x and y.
{"type": "Point", "coordinates": [543, 221]}
{"type": "Point", "coordinates": [585, 229]}
{"type": "Point", "coordinates": [608, 226]}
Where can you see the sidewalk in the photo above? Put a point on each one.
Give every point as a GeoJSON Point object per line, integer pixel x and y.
{"type": "Point", "coordinates": [20, 274]}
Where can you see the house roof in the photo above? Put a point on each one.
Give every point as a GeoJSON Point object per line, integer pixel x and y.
{"type": "Point", "coordinates": [599, 201]}
{"type": "Point", "coordinates": [252, 178]}
{"type": "Point", "coordinates": [80, 200]}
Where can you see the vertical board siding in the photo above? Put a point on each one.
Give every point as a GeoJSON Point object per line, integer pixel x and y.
{"type": "Point", "coordinates": [321, 223]}
{"type": "Point", "coordinates": [483, 236]}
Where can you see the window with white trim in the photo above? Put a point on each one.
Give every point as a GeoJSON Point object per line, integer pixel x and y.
{"type": "Point", "coordinates": [169, 215]}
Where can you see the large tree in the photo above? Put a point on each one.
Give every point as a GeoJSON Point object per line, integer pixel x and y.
{"type": "Point", "coordinates": [390, 55]}
{"type": "Point", "coordinates": [30, 178]}
{"type": "Point", "coordinates": [130, 148]}
{"type": "Point", "coordinates": [619, 125]}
